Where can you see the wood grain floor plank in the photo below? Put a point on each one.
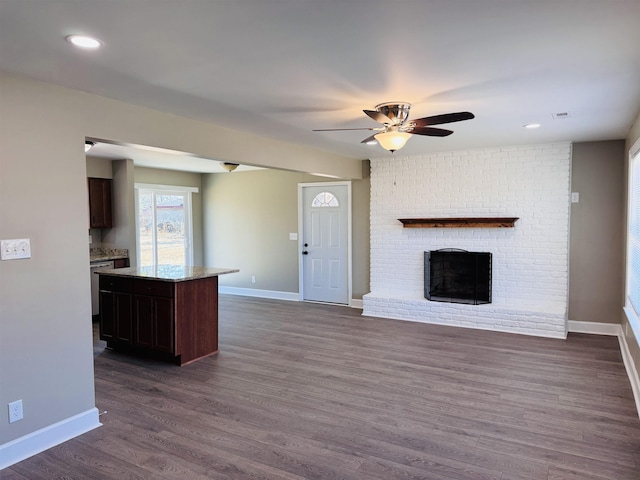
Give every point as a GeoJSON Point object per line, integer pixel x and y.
{"type": "Point", "coordinates": [571, 462]}
{"type": "Point", "coordinates": [560, 473]}
{"type": "Point", "coordinates": [309, 391]}
{"type": "Point", "coordinates": [10, 475]}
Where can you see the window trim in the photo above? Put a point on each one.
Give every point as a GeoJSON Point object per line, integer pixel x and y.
{"type": "Point", "coordinates": [632, 315]}
{"type": "Point", "coordinates": [188, 221]}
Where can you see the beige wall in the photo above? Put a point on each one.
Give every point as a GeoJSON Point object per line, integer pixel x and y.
{"type": "Point", "coordinates": [247, 220]}
{"type": "Point", "coordinates": [183, 179]}
{"type": "Point", "coordinates": [45, 304]}
{"type": "Point", "coordinates": [123, 232]}
{"type": "Point", "coordinates": [361, 192]}
{"type": "Point", "coordinates": [99, 167]}
{"type": "Point", "coordinates": [46, 355]}
{"type": "Point", "coordinates": [596, 260]}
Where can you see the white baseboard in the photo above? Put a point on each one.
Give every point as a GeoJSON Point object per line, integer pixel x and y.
{"type": "Point", "coordinates": [357, 303]}
{"type": "Point", "coordinates": [254, 292]}
{"type": "Point", "coordinates": [275, 295]}
{"type": "Point", "coordinates": [613, 329]}
{"type": "Point", "coordinates": [33, 443]}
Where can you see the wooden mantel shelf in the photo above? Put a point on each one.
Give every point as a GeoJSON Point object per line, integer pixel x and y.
{"type": "Point", "coordinates": [470, 222]}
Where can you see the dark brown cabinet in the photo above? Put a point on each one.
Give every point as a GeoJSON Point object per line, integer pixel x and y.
{"type": "Point", "coordinates": [116, 322]}
{"type": "Point", "coordinates": [121, 263]}
{"type": "Point", "coordinates": [178, 320]}
{"type": "Point", "coordinates": [153, 322]}
{"type": "Point", "coordinates": [100, 215]}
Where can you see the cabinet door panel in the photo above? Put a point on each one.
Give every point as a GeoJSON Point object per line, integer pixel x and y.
{"type": "Point", "coordinates": [106, 201]}
{"type": "Point", "coordinates": [122, 307]}
{"type": "Point", "coordinates": [163, 325]}
{"type": "Point", "coordinates": [107, 316]}
{"type": "Point", "coordinates": [143, 320]}
{"type": "Point", "coordinates": [100, 203]}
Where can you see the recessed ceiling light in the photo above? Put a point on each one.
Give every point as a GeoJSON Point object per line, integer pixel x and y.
{"type": "Point", "coordinates": [532, 125]}
{"type": "Point", "coordinates": [84, 41]}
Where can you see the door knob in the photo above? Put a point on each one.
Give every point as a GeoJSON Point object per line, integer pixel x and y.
{"type": "Point", "coordinates": [305, 253]}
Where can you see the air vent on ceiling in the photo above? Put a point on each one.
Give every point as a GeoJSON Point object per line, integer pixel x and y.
{"type": "Point", "coordinates": [560, 115]}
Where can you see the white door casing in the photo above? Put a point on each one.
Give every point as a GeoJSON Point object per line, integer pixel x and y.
{"type": "Point", "coordinates": [324, 211]}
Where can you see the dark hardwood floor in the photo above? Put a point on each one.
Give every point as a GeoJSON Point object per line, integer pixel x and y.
{"type": "Point", "coordinates": [307, 391]}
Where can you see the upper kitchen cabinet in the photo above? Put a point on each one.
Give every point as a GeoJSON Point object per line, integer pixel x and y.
{"type": "Point", "coordinates": [100, 203]}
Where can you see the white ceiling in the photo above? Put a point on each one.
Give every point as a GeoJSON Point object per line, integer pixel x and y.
{"type": "Point", "coordinates": [153, 157]}
{"type": "Point", "coordinates": [280, 68]}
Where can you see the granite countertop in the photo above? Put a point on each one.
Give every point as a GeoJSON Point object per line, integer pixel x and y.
{"type": "Point", "coordinates": [101, 254]}
{"type": "Point", "coordinates": [170, 273]}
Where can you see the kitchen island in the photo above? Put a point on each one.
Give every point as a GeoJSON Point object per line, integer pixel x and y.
{"type": "Point", "coordinates": [166, 311]}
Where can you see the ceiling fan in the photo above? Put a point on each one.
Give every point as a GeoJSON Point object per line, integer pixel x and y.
{"type": "Point", "coordinates": [396, 130]}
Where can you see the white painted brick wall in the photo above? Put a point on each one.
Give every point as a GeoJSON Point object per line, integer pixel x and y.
{"type": "Point", "coordinates": [530, 261]}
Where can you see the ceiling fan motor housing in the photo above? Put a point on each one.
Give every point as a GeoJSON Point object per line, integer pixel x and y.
{"type": "Point", "coordinates": [397, 112]}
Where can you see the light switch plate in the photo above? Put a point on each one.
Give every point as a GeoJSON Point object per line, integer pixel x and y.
{"type": "Point", "coordinates": [15, 249]}
{"type": "Point", "coordinates": [293, 236]}
{"type": "Point", "coordinates": [575, 197]}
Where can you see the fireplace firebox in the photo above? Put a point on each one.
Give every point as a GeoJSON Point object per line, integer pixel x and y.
{"type": "Point", "coordinates": [457, 276]}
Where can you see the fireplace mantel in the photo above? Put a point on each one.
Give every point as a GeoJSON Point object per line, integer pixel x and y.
{"type": "Point", "coordinates": [469, 222]}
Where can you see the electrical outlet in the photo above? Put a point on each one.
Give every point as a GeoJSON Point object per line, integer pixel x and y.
{"type": "Point", "coordinates": [253, 279]}
{"type": "Point", "coordinates": [15, 249]}
{"type": "Point", "coordinates": [15, 411]}
{"type": "Point", "coordinates": [575, 197]}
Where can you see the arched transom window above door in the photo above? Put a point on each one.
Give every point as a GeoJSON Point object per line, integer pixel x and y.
{"type": "Point", "coordinates": [325, 199]}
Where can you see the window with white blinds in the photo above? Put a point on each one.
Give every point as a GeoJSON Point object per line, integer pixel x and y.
{"type": "Point", "coordinates": [633, 241]}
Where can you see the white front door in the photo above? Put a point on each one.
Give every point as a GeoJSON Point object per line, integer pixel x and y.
{"type": "Point", "coordinates": [325, 249]}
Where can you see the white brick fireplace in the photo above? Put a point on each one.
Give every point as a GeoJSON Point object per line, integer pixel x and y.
{"type": "Point", "coordinates": [530, 261]}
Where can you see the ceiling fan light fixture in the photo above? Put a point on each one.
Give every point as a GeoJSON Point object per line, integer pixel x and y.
{"type": "Point", "coordinates": [88, 145]}
{"type": "Point", "coordinates": [228, 166]}
{"type": "Point", "coordinates": [397, 129]}
{"type": "Point", "coordinates": [392, 141]}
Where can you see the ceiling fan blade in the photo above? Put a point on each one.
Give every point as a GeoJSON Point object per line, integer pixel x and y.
{"type": "Point", "coordinates": [372, 138]}
{"type": "Point", "coordinates": [340, 129]}
{"type": "Point", "coordinates": [445, 118]}
{"type": "Point", "coordinates": [378, 117]}
{"type": "Point", "coordinates": [430, 131]}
